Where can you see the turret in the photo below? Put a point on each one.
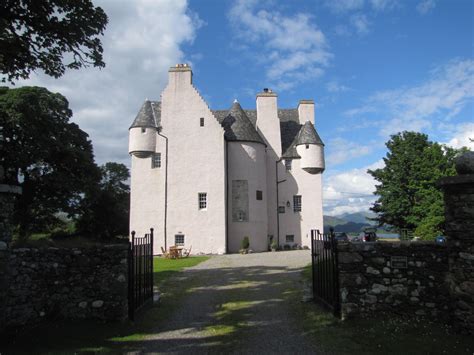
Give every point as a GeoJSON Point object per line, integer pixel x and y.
{"type": "Point", "coordinates": [310, 148]}
{"type": "Point", "coordinates": [142, 132]}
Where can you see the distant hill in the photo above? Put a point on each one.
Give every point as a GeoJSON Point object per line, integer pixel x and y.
{"type": "Point", "coordinates": [332, 221]}
{"type": "Point", "coordinates": [348, 222]}
{"type": "Point", "coordinates": [359, 217]}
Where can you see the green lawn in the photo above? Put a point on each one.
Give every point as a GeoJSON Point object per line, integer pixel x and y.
{"type": "Point", "coordinates": [67, 337]}
{"type": "Point", "coordinates": [165, 268]}
{"type": "Point", "coordinates": [380, 335]}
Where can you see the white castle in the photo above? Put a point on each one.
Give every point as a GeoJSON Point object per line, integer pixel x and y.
{"type": "Point", "coordinates": [206, 179]}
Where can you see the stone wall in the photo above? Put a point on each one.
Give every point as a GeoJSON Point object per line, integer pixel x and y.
{"type": "Point", "coordinates": [402, 277]}
{"type": "Point", "coordinates": [459, 213]}
{"type": "Point", "coordinates": [60, 283]}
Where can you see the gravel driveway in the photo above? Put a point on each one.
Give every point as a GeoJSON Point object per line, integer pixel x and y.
{"type": "Point", "coordinates": [237, 304]}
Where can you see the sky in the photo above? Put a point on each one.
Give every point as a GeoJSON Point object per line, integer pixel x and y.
{"type": "Point", "coordinates": [373, 67]}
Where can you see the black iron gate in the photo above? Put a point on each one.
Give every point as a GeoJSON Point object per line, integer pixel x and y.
{"type": "Point", "coordinates": [325, 270]}
{"type": "Point", "coordinates": [140, 273]}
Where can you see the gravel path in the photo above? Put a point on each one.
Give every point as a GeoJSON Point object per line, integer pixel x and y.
{"type": "Point", "coordinates": [238, 304]}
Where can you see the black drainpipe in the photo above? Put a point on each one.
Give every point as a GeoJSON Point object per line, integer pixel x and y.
{"type": "Point", "coordinates": [166, 187]}
{"type": "Point", "coordinates": [226, 197]}
{"type": "Point", "coordinates": [278, 213]}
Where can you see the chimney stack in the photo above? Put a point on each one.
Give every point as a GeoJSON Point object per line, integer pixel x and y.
{"type": "Point", "coordinates": [306, 111]}
{"type": "Point", "coordinates": [180, 74]}
{"type": "Point", "coordinates": [268, 123]}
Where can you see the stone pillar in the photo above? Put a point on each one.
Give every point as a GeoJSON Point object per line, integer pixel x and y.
{"type": "Point", "coordinates": [7, 201]}
{"type": "Point", "coordinates": [459, 213]}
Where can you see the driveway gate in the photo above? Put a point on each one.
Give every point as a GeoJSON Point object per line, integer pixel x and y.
{"type": "Point", "coordinates": [325, 271]}
{"type": "Point", "coordinates": [140, 273]}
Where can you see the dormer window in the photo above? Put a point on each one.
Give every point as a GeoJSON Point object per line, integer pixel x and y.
{"type": "Point", "coordinates": [201, 121]}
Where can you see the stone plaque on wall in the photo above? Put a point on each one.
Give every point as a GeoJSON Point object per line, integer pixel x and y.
{"type": "Point", "coordinates": [399, 262]}
{"type": "Point", "coordinates": [240, 201]}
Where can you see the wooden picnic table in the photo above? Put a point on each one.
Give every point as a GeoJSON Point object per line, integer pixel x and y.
{"type": "Point", "coordinates": [176, 252]}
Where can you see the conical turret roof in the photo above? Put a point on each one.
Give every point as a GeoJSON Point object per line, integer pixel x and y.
{"type": "Point", "coordinates": [145, 117]}
{"type": "Point", "coordinates": [237, 126]}
{"type": "Point", "coordinates": [308, 135]}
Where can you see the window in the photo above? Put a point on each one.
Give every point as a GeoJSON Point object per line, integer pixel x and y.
{"type": "Point", "coordinates": [202, 199]}
{"type": "Point", "coordinates": [143, 129]}
{"type": "Point", "coordinates": [281, 209]}
{"type": "Point", "coordinates": [201, 121]}
{"type": "Point", "coordinates": [179, 239]}
{"type": "Point", "coordinates": [297, 203]}
{"type": "Point", "coordinates": [288, 164]}
{"type": "Point", "coordinates": [307, 146]}
{"type": "Point", "coordinates": [259, 195]}
{"type": "Point", "coordinates": [290, 238]}
{"type": "Point", "coordinates": [156, 160]}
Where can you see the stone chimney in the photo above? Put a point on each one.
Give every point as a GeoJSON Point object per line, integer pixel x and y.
{"type": "Point", "coordinates": [179, 75]}
{"type": "Point", "coordinates": [306, 111]}
{"type": "Point", "coordinates": [268, 123]}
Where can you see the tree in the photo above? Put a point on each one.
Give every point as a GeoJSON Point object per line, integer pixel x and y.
{"type": "Point", "coordinates": [407, 193]}
{"type": "Point", "coordinates": [39, 34]}
{"type": "Point", "coordinates": [48, 156]}
{"type": "Point", "coordinates": [105, 210]}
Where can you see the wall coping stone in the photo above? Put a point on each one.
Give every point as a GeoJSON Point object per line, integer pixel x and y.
{"type": "Point", "coordinates": [456, 180]}
{"type": "Point", "coordinates": [10, 189]}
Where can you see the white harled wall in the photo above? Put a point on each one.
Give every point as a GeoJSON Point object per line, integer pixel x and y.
{"type": "Point", "coordinates": [196, 164]}
{"type": "Point", "coordinates": [247, 162]}
{"type": "Point", "coordinates": [147, 195]}
{"type": "Point", "coordinates": [268, 125]}
{"type": "Point", "coordinates": [309, 186]}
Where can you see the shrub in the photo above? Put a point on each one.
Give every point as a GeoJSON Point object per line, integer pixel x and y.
{"type": "Point", "coordinates": [287, 247]}
{"type": "Point", "coordinates": [245, 243]}
{"type": "Point", "coordinates": [274, 245]}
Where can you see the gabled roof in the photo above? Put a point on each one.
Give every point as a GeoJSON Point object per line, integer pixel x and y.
{"type": "Point", "coordinates": [149, 115]}
{"type": "Point", "coordinates": [237, 125]}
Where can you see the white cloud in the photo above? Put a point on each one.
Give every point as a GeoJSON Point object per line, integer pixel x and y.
{"type": "Point", "coordinates": [360, 23]}
{"type": "Point", "coordinates": [441, 97]}
{"type": "Point", "coordinates": [341, 6]}
{"type": "Point", "coordinates": [425, 6]}
{"type": "Point", "coordinates": [342, 150]}
{"type": "Point", "coordinates": [461, 135]}
{"type": "Point", "coordinates": [291, 48]}
{"type": "Point", "coordinates": [349, 191]}
{"type": "Point", "coordinates": [141, 42]}
{"type": "Point", "coordinates": [334, 87]}
{"type": "Point", "coordinates": [384, 5]}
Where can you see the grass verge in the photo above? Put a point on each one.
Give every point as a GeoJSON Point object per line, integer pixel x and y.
{"type": "Point", "coordinates": [81, 337]}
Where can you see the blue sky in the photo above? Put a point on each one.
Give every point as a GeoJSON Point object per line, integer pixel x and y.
{"type": "Point", "coordinates": [374, 68]}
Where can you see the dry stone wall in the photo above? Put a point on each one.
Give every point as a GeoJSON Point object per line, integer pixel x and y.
{"type": "Point", "coordinates": [403, 277]}
{"type": "Point", "coordinates": [459, 213]}
{"type": "Point", "coordinates": [63, 283]}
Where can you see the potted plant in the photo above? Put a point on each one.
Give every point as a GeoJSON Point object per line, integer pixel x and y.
{"type": "Point", "coordinates": [244, 245]}
{"type": "Point", "coordinates": [274, 246]}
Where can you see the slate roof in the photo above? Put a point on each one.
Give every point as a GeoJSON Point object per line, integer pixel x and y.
{"type": "Point", "coordinates": [237, 125]}
{"type": "Point", "coordinates": [308, 135]}
{"type": "Point", "coordinates": [149, 115]}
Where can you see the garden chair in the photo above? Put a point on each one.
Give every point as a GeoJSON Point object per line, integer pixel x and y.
{"type": "Point", "coordinates": [165, 253]}
{"type": "Point", "coordinates": [186, 252]}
